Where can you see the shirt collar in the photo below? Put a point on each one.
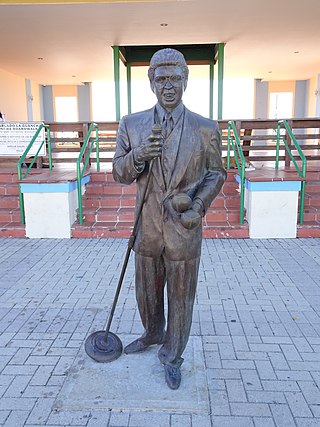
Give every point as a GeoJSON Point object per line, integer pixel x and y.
{"type": "Point", "coordinates": [176, 113]}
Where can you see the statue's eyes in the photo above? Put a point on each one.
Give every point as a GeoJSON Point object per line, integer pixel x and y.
{"type": "Point", "coordinates": [162, 80]}
{"type": "Point", "coordinates": [175, 79]}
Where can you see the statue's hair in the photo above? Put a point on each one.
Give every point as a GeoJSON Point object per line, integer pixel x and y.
{"type": "Point", "coordinates": [167, 56]}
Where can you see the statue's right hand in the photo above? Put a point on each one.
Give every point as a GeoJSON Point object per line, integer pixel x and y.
{"type": "Point", "coordinates": [149, 149]}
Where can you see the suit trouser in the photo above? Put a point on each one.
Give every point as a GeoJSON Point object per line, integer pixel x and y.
{"type": "Point", "coordinates": [181, 277]}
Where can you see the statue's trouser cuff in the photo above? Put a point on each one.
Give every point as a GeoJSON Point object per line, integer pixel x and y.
{"type": "Point", "coordinates": [181, 277]}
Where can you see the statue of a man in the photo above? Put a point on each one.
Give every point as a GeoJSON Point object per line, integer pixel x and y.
{"type": "Point", "coordinates": [187, 175]}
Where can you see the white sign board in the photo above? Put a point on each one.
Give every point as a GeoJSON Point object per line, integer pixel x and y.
{"type": "Point", "coordinates": [16, 136]}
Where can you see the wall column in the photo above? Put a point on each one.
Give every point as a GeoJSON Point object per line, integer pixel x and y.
{"type": "Point", "coordinates": [29, 98]}
{"type": "Point", "coordinates": [211, 76]}
{"type": "Point", "coordinates": [47, 103]}
{"type": "Point", "coordinates": [300, 99]}
{"type": "Point", "coordinates": [129, 86]}
{"type": "Point", "coordinates": [318, 97]}
{"type": "Point", "coordinates": [220, 78]}
{"type": "Point", "coordinates": [84, 102]}
{"type": "Point", "coordinates": [261, 101]}
{"type": "Point", "coordinates": [116, 70]}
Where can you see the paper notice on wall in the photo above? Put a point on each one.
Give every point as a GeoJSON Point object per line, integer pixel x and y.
{"type": "Point", "coordinates": [16, 136]}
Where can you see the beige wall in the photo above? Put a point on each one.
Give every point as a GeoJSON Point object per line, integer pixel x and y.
{"type": "Point", "coordinates": [13, 102]}
{"type": "Point", "coordinates": [64, 90]}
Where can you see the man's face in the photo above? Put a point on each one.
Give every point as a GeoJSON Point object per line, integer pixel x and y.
{"type": "Point", "coordinates": [168, 85]}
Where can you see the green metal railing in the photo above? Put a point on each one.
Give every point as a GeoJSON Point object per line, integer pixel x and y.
{"type": "Point", "coordinates": [301, 172]}
{"type": "Point", "coordinates": [81, 171]}
{"type": "Point", "coordinates": [23, 157]}
{"type": "Point", "coordinates": [234, 141]}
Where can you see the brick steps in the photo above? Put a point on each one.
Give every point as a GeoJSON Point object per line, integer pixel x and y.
{"type": "Point", "coordinates": [108, 209]}
{"type": "Point", "coordinates": [9, 202]}
{"type": "Point", "coordinates": [9, 215]}
{"type": "Point", "coordinates": [9, 189]}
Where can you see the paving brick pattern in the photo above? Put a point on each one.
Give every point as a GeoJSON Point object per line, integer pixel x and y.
{"type": "Point", "coordinates": [257, 312]}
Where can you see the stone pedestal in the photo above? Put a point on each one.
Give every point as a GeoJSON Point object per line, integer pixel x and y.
{"type": "Point", "coordinates": [272, 208]}
{"type": "Point", "coordinates": [50, 208]}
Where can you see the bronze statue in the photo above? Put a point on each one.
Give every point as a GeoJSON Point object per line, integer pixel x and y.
{"type": "Point", "coordinates": [187, 175]}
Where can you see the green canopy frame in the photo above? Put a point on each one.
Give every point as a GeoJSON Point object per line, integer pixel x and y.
{"type": "Point", "coordinates": [195, 54]}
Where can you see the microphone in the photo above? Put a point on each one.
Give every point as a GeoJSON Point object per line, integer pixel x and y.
{"type": "Point", "coordinates": [156, 130]}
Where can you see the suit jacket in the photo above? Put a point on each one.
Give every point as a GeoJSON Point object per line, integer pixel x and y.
{"type": "Point", "coordinates": [197, 171]}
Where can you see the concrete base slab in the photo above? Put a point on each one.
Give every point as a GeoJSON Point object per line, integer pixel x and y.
{"type": "Point", "coordinates": [136, 383]}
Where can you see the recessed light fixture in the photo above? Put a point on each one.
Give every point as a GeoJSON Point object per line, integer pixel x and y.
{"type": "Point", "coordinates": [40, 58]}
{"type": "Point", "coordinates": [269, 72]}
{"type": "Point", "coordinates": [296, 51]}
{"type": "Point", "coordinates": [163, 24]}
{"type": "Point", "coordinates": [73, 75]}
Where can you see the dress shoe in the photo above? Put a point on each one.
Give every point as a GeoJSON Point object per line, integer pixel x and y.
{"type": "Point", "coordinates": [136, 346]}
{"type": "Point", "coordinates": [173, 376]}
{"type": "Point", "coordinates": [141, 344]}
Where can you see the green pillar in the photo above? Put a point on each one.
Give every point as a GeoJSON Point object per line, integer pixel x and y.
{"type": "Point", "coordinates": [116, 71]}
{"type": "Point", "coordinates": [129, 86]}
{"type": "Point", "coordinates": [211, 72]}
{"type": "Point", "coordinates": [220, 78]}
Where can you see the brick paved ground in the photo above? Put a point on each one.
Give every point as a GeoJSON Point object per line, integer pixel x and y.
{"type": "Point", "coordinates": [257, 312]}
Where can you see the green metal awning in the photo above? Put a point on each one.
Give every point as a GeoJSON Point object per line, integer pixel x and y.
{"type": "Point", "coordinates": [194, 54]}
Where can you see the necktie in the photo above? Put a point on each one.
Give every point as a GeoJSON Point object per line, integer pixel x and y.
{"type": "Point", "coordinates": [167, 124]}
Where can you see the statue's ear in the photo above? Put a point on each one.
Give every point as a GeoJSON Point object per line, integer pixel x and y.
{"type": "Point", "coordinates": [152, 86]}
{"type": "Point", "coordinates": [185, 83]}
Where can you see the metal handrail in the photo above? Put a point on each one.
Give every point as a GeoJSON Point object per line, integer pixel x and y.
{"type": "Point", "coordinates": [80, 172]}
{"type": "Point", "coordinates": [23, 157]}
{"type": "Point", "coordinates": [240, 162]}
{"type": "Point", "coordinates": [301, 172]}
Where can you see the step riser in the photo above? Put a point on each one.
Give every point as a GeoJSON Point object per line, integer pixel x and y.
{"type": "Point", "coordinates": [207, 234]}
{"type": "Point", "coordinates": [7, 178]}
{"type": "Point", "coordinates": [116, 204]}
{"type": "Point", "coordinates": [9, 202]}
{"type": "Point", "coordinates": [313, 187]}
{"type": "Point", "coordinates": [9, 190]}
{"type": "Point", "coordinates": [10, 216]}
{"type": "Point", "coordinates": [308, 232]}
{"type": "Point", "coordinates": [312, 216]}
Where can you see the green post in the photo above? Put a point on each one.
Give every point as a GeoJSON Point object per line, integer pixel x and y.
{"type": "Point", "coordinates": [211, 88]}
{"type": "Point", "coordinates": [129, 86]}
{"type": "Point", "coordinates": [47, 128]}
{"type": "Point", "coordinates": [220, 78]}
{"type": "Point", "coordinates": [116, 70]}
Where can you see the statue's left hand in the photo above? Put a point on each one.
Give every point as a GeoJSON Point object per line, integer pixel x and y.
{"type": "Point", "coordinates": [191, 218]}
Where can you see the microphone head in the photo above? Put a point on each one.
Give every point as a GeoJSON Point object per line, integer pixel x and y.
{"type": "Point", "coordinates": [156, 129]}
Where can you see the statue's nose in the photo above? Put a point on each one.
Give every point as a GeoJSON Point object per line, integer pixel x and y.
{"type": "Point", "coordinates": [168, 83]}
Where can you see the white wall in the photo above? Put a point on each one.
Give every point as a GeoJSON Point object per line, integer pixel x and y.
{"type": "Point", "coordinates": [238, 95]}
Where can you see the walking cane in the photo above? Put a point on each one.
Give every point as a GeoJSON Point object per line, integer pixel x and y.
{"type": "Point", "coordinates": [105, 346]}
